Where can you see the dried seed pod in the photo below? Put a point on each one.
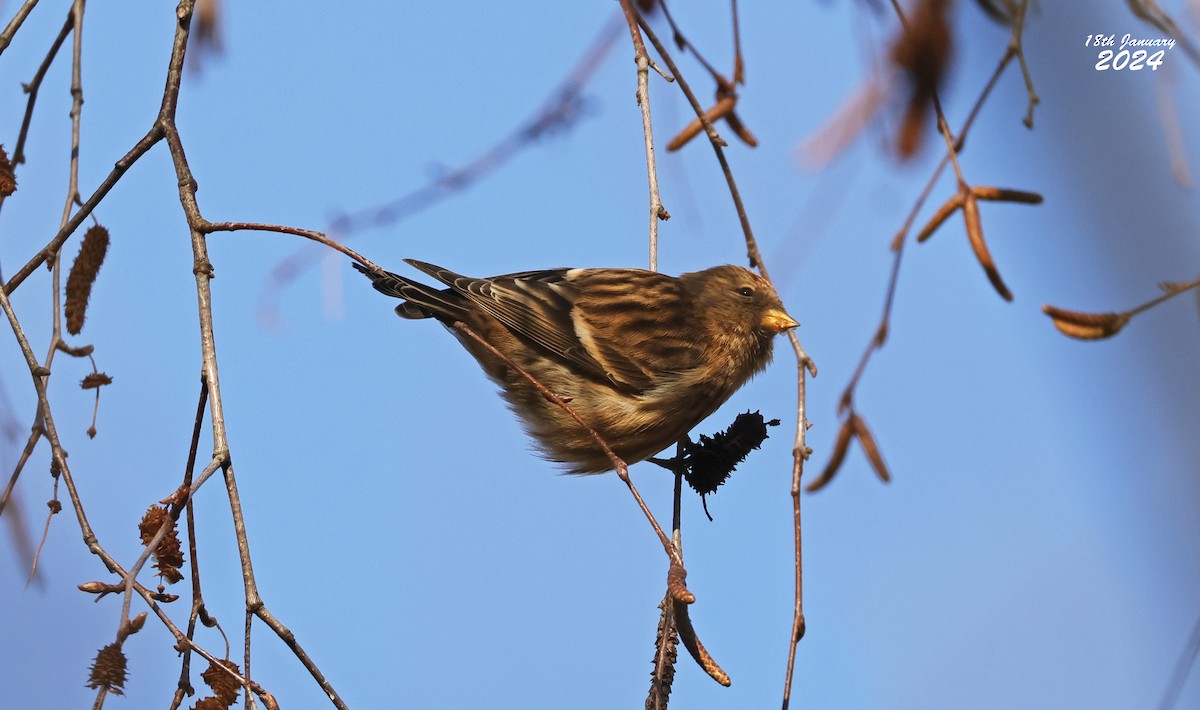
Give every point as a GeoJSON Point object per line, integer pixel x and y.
{"type": "Point", "coordinates": [83, 275]}
{"type": "Point", "coordinates": [870, 448]}
{"type": "Point", "coordinates": [719, 110]}
{"type": "Point", "coordinates": [840, 446]}
{"type": "Point", "coordinates": [970, 209]}
{"type": "Point", "coordinates": [168, 554]}
{"type": "Point", "coordinates": [942, 214]}
{"type": "Point", "coordinates": [95, 380]}
{"type": "Point", "coordinates": [1004, 194]}
{"type": "Point", "coordinates": [666, 653]}
{"type": "Point", "coordinates": [208, 24]}
{"type": "Point", "coordinates": [108, 670]}
{"type": "Point", "coordinates": [8, 179]}
{"type": "Point", "coordinates": [711, 461]}
{"type": "Point", "coordinates": [81, 351]}
{"type": "Point", "coordinates": [1086, 326]}
{"type": "Point", "coordinates": [224, 685]}
{"type": "Point", "coordinates": [687, 634]}
{"type": "Point", "coordinates": [923, 52]}
{"type": "Point", "coordinates": [740, 130]}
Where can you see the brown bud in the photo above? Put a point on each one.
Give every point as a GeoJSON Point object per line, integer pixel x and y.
{"type": "Point", "coordinates": [98, 587]}
{"type": "Point", "coordinates": [136, 623]}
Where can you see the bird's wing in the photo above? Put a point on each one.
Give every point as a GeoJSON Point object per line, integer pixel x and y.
{"type": "Point", "coordinates": [624, 325]}
{"type": "Point", "coordinates": [640, 324]}
{"type": "Point", "coordinates": [535, 305]}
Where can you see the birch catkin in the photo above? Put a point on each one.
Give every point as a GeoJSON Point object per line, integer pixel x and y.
{"type": "Point", "coordinates": [83, 275]}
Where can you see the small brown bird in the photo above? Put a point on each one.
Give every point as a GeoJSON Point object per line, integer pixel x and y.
{"type": "Point", "coordinates": [641, 357]}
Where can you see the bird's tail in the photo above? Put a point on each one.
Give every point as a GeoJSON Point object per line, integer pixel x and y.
{"type": "Point", "coordinates": [420, 300]}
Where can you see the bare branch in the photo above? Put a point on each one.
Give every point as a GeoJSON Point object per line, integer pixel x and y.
{"type": "Point", "coordinates": [642, 59]}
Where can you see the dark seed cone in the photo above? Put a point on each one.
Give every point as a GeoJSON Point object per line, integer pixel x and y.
{"type": "Point", "coordinates": [83, 275]}
{"type": "Point", "coordinates": [108, 670]}
{"type": "Point", "coordinates": [712, 460]}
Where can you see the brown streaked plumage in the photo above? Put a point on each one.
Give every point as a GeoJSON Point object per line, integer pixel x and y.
{"type": "Point", "coordinates": [641, 356]}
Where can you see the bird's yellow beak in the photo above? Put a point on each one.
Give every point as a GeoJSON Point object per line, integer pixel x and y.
{"type": "Point", "coordinates": [777, 321]}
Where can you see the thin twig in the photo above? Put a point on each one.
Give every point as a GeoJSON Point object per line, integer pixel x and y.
{"type": "Point", "coordinates": [642, 59]}
{"type": "Point", "coordinates": [163, 128]}
{"type": "Point", "coordinates": [35, 435]}
{"type": "Point", "coordinates": [41, 374]}
{"type": "Point", "coordinates": [31, 88]}
{"type": "Point", "coordinates": [15, 24]}
{"type": "Point", "coordinates": [52, 247]}
{"type": "Point", "coordinates": [208, 227]}
{"type": "Point", "coordinates": [1016, 47]}
{"type": "Point", "coordinates": [682, 42]}
{"type": "Point", "coordinates": [800, 453]}
{"type": "Point", "coordinates": [667, 634]}
{"type": "Point", "coordinates": [203, 274]}
{"type": "Point", "coordinates": [898, 241]}
{"type": "Point", "coordinates": [805, 364]}
{"type": "Point", "coordinates": [58, 455]}
{"type": "Point", "coordinates": [184, 686]}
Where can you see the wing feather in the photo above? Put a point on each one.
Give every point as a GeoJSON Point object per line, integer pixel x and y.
{"type": "Point", "coordinates": [628, 326]}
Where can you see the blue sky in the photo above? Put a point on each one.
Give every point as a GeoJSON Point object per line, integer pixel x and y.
{"type": "Point", "coordinates": [1038, 546]}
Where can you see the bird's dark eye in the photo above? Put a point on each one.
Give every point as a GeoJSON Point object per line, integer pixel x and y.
{"type": "Point", "coordinates": [746, 291]}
